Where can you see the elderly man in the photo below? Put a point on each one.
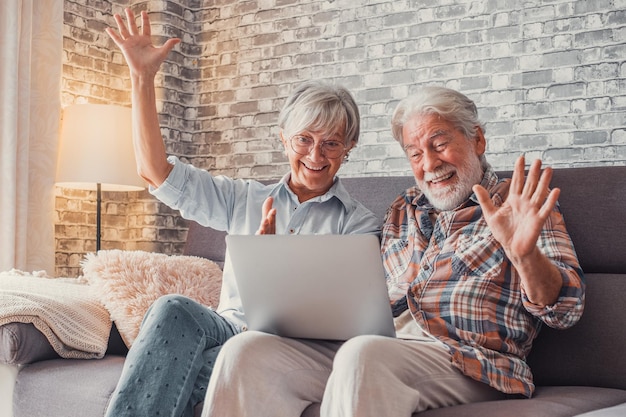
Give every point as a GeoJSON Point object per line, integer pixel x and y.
{"type": "Point", "coordinates": [474, 265]}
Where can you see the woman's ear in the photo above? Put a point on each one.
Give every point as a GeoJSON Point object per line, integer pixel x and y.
{"type": "Point", "coordinates": [284, 141]}
{"type": "Point", "coordinates": [348, 149]}
{"type": "Point", "coordinates": [350, 146]}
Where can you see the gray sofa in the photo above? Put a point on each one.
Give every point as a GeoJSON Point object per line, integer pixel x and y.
{"type": "Point", "coordinates": [576, 371]}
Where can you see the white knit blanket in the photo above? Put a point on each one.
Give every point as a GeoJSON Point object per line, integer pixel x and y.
{"type": "Point", "coordinates": [65, 310]}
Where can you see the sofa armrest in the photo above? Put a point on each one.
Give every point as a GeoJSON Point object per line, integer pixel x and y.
{"type": "Point", "coordinates": [8, 374]}
{"type": "Point", "coordinates": [23, 343]}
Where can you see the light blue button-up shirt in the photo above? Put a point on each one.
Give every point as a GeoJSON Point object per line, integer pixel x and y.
{"type": "Point", "coordinates": [235, 206]}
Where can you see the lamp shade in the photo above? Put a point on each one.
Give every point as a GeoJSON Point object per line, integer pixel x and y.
{"type": "Point", "coordinates": [96, 148]}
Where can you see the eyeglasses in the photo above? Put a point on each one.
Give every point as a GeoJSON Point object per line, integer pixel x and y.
{"type": "Point", "coordinates": [331, 149]}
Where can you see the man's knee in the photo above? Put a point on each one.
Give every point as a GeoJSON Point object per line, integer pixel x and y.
{"type": "Point", "coordinates": [250, 349]}
{"type": "Point", "coordinates": [365, 346]}
{"type": "Point", "coordinates": [361, 352]}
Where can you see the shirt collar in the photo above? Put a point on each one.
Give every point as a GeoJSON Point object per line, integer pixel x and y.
{"type": "Point", "coordinates": [337, 190]}
{"type": "Point", "coordinates": [489, 181]}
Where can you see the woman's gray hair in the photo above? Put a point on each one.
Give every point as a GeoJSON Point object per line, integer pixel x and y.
{"type": "Point", "coordinates": [449, 104]}
{"type": "Point", "coordinates": [320, 107]}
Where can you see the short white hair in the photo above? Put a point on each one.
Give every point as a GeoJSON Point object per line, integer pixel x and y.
{"type": "Point", "coordinates": [317, 106]}
{"type": "Point", "coordinates": [449, 104]}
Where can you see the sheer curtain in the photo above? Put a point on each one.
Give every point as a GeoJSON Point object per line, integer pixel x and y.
{"type": "Point", "coordinates": [31, 45]}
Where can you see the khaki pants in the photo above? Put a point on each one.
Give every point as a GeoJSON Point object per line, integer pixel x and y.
{"type": "Point", "coordinates": [262, 375]}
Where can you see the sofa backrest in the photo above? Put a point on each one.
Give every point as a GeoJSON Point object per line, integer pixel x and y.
{"type": "Point", "coordinates": [376, 193]}
{"type": "Point", "coordinates": [593, 202]}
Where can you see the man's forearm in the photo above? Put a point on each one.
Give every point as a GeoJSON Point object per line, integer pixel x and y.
{"type": "Point", "coordinates": [541, 279]}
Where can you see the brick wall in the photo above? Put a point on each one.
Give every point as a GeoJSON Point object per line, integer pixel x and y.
{"type": "Point", "coordinates": [549, 79]}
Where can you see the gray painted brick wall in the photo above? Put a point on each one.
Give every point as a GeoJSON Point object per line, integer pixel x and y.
{"type": "Point", "coordinates": [549, 79]}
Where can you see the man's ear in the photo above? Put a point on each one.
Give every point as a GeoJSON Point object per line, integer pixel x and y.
{"type": "Point", "coordinates": [481, 142]}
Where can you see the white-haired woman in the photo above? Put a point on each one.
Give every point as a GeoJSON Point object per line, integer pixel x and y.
{"type": "Point", "coordinates": [168, 366]}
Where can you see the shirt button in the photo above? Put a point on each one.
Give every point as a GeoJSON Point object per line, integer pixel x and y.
{"type": "Point", "coordinates": [292, 231]}
{"type": "Point", "coordinates": [426, 267]}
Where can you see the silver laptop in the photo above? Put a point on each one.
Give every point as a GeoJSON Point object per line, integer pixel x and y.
{"type": "Point", "coordinates": [312, 286]}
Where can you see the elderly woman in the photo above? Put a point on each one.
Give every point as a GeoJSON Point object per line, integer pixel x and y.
{"type": "Point", "coordinates": [168, 367]}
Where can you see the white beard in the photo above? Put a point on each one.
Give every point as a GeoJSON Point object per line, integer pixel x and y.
{"type": "Point", "coordinates": [448, 198]}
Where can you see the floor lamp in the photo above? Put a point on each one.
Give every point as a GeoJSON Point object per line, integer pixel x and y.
{"type": "Point", "coordinates": [96, 152]}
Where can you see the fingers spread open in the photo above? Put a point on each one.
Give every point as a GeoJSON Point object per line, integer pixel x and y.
{"type": "Point", "coordinates": [121, 26]}
{"type": "Point", "coordinates": [132, 25]}
{"type": "Point", "coordinates": [517, 180]}
{"type": "Point", "coordinates": [145, 23]}
{"type": "Point", "coordinates": [114, 35]}
{"type": "Point", "coordinates": [484, 200]}
{"type": "Point", "coordinates": [549, 203]}
{"type": "Point", "coordinates": [542, 188]}
{"type": "Point", "coordinates": [530, 184]}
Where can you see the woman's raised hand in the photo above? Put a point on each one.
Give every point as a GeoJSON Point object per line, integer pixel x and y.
{"type": "Point", "coordinates": [268, 220]}
{"type": "Point", "coordinates": [142, 56]}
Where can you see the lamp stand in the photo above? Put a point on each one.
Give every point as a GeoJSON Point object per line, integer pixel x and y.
{"type": "Point", "coordinates": [98, 205]}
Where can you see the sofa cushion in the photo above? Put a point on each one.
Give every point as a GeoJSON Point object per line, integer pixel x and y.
{"type": "Point", "coordinates": [588, 353]}
{"type": "Point", "coordinates": [66, 387]}
{"type": "Point", "coordinates": [547, 401]}
{"type": "Point", "coordinates": [22, 343]}
{"type": "Point", "coordinates": [616, 411]}
{"type": "Point", "coordinates": [128, 282]}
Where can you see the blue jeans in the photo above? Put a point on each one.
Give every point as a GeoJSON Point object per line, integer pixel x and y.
{"type": "Point", "coordinates": [167, 369]}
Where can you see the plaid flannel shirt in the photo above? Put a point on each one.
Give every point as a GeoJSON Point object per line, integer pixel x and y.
{"type": "Point", "coordinates": [462, 289]}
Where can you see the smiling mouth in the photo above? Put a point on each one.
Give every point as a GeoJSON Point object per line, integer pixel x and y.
{"type": "Point", "coordinates": [441, 178]}
{"type": "Point", "coordinates": [316, 169]}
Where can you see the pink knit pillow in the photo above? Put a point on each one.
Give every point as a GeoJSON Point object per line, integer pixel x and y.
{"type": "Point", "coordinates": [130, 281]}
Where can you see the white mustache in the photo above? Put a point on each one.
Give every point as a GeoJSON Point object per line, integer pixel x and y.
{"type": "Point", "coordinates": [439, 174]}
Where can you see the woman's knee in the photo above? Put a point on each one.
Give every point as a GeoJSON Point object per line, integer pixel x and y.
{"type": "Point", "coordinates": [168, 304]}
{"type": "Point", "coordinates": [171, 310]}
{"type": "Point", "coordinates": [174, 307]}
